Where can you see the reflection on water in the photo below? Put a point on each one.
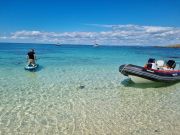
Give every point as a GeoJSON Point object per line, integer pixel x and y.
{"type": "Point", "coordinates": [129, 83]}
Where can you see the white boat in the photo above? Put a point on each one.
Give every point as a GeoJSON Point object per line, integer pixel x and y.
{"type": "Point", "coordinates": [58, 44]}
{"type": "Point", "coordinates": [95, 45]}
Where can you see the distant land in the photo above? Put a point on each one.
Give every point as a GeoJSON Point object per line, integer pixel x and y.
{"type": "Point", "coordinates": [170, 46]}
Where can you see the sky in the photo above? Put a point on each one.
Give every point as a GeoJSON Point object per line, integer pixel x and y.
{"type": "Point", "coordinates": [106, 22]}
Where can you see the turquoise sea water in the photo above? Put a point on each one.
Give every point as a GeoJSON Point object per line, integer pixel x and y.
{"type": "Point", "coordinates": [79, 90]}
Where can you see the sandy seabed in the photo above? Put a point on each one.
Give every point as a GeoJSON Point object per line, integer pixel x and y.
{"type": "Point", "coordinates": [87, 101]}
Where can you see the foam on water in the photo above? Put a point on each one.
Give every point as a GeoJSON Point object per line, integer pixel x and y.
{"type": "Point", "coordinates": [78, 90]}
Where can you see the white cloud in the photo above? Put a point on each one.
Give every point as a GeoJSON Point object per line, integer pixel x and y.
{"type": "Point", "coordinates": [4, 37]}
{"type": "Point", "coordinates": [114, 34]}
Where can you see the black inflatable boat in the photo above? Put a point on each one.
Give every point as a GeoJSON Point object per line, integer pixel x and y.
{"type": "Point", "coordinates": [148, 74]}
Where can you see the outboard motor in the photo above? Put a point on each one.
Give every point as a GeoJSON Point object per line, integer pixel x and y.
{"type": "Point", "coordinates": [171, 64]}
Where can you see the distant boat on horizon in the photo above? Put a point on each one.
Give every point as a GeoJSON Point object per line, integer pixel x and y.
{"type": "Point", "coordinates": [96, 45]}
{"type": "Point", "coordinates": [58, 44]}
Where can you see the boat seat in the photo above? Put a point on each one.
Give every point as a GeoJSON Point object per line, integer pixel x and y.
{"type": "Point", "coordinates": [160, 64]}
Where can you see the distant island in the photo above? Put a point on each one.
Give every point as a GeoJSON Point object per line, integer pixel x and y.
{"type": "Point", "coordinates": [170, 46]}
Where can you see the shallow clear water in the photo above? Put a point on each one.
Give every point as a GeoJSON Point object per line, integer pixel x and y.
{"type": "Point", "coordinates": [79, 90]}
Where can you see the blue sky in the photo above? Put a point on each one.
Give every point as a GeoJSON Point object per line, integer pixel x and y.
{"type": "Point", "coordinates": [82, 21]}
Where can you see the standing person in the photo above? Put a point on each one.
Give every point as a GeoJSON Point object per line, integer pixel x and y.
{"type": "Point", "coordinates": [31, 57]}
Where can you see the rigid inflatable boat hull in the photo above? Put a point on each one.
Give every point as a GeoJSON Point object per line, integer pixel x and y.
{"type": "Point", "coordinates": [139, 74]}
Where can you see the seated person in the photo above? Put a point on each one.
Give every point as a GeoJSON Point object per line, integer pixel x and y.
{"type": "Point", "coordinates": [151, 60]}
{"type": "Point", "coordinates": [154, 66]}
{"type": "Point", "coordinates": [151, 64]}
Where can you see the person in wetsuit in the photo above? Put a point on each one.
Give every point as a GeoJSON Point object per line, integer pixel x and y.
{"type": "Point", "coordinates": [31, 57]}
